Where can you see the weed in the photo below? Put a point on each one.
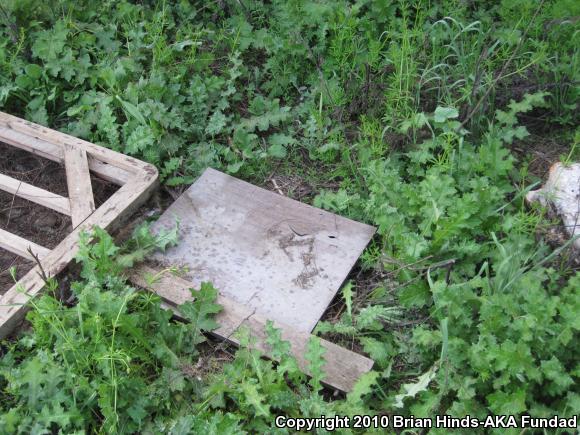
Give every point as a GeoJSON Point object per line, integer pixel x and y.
{"type": "Point", "coordinates": [405, 111]}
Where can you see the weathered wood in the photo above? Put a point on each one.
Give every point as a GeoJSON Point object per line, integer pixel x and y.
{"type": "Point", "coordinates": [138, 180]}
{"type": "Point", "coordinates": [54, 152]}
{"type": "Point", "coordinates": [35, 194]}
{"type": "Point", "coordinates": [282, 257]}
{"type": "Point", "coordinates": [78, 180]}
{"type": "Point", "coordinates": [126, 199]}
{"type": "Point", "coordinates": [108, 172]}
{"type": "Point", "coordinates": [343, 367]}
{"type": "Point", "coordinates": [19, 246]}
{"type": "Point", "coordinates": [34, 136]}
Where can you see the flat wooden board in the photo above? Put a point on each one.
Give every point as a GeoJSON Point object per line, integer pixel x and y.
{"type": "Point", "coordinates": [20, 246]}
{"type": "Point", "coordinates": [343, 368]}
{"type": "Point", "coordinates": [278, 256]}
{"type": "Point", "coordinates": [78, 180]}
{"type": "Point", "coordinates": [35, 194]}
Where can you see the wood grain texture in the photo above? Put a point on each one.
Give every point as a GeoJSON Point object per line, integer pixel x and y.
{"type": "Point", "coordinates": [20, 246]}
{"type": "Point", "coordinates": [78, 179]}
{"type": "Point", "coordinates": [138, 180]}
{"type": "Point", "coordinates": [29, 134]}
{"type": "Point", "coordinates": [284, 258]}
{"type": "Point", "coordinates": [343, 368]}
{"type": "Point", "coordinates": [49, 144]}
{"type": "Point", "coordinates": [35, 194]}
{"type": "Point", "coordinates": [125, 200]}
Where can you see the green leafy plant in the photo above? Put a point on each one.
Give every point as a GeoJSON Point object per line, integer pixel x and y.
{"type": "Point", "coordinates": [428, 120]}
{"type": "Point", "coordinates": [115, 361]}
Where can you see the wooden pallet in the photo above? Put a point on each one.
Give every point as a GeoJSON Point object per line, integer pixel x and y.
{"type": "Point", "coordinates": [136, 178]}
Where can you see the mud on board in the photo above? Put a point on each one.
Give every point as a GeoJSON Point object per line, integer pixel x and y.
{"type": "Point", "coordinates": [283, 258]}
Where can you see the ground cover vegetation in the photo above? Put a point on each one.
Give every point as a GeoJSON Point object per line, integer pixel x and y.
{"type": "Point", "coordinates": [425, 119]}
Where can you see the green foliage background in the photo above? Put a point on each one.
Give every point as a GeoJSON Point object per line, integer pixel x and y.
{"type": "Point", "coordinates": [408, 109]}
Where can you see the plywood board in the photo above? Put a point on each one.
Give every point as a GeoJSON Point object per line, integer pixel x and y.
{"type": "Point", "coordinates": [270, 253]}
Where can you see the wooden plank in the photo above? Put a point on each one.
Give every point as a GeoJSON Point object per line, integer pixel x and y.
{"type": "Point", "coordinates": [130, 196]}
{"type": "Point", "coordinates": [35, 194]}
{"type": "Point", "coordinates": [19, 246]}
{"type": "Point", "coordinates": [26, 131]}
{"type": "Point", "coordinates": [343, 367]}
{"type": "Point", "coordinates": [282, 257]}
{"type": "Point", "coordinates": [108, 172]}
{"type": "Point", "coordinates": [78, 180]}
{"type": "Point", "coordinates": [55, 153]}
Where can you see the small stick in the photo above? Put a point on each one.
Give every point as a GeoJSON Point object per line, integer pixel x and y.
{"type": "Point", "coordinates": [42, 273]}
{"type": "Point", "coordinates": [276, 186]}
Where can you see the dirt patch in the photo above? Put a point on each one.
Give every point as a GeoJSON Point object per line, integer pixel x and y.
{"type": "Point", "coordinates": [539, 153]}
{"type": "Point", "coordinates": [26, 219]}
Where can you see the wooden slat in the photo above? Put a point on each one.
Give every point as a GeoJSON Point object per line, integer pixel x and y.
{"type": "Point", "coordinates": [343, 367]}
{"type": "Point", "coordinates": [19, 246]}
{"type": "Point", "coordinates": [108, 172]}
{"type": "Point", "coordinates": [78, 180]}
{"type": "Point", "coordinates": [55, 153]}
{"type": "Point", "coordinates": [129, 197]}
{"type": "Point", "coordinates": [35, 194]}
{"type": "Point", "coordinates": [11, 125]}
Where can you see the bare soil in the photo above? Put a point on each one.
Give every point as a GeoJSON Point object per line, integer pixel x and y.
{"type": "Point", "coordinates": [34, 222]}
